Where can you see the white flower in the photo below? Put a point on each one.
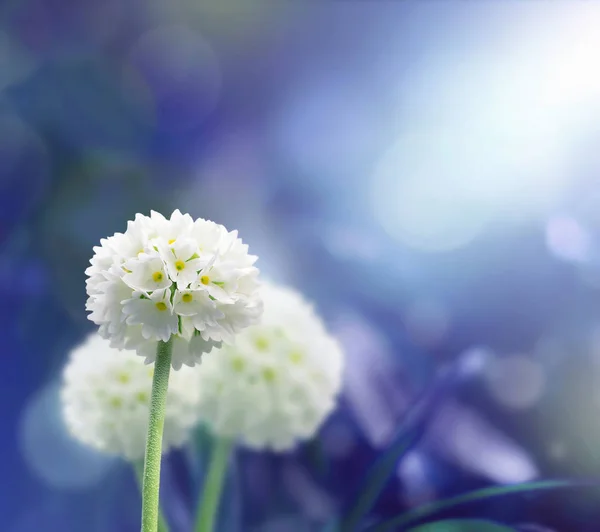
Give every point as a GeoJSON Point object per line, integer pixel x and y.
{"type": "Point", "coordinates": [199, 307]}
{"type": "Point", "coordinates": [146, 272]}
{"type": "Point", "coordinates": [154, 312]}
{"type": "Point", "coordinates": [183, 261]}
{"type": "Point", "coordinates": [178, 277]}
{"type": "Point", "coordinates": [105, 398]}
{"type": "Point", "coordinates": [279, 381]}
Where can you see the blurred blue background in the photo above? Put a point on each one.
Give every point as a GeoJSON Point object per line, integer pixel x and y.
{"type": "Point", "coordinates": [427, 172]}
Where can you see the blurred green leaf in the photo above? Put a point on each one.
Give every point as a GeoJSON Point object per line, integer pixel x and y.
{"type": "Point", "coordinates": [409, 433]}
{"type": "Point", "coordinates": [427, 510]}
{"type": "Point", "coordinates": [462, 525]}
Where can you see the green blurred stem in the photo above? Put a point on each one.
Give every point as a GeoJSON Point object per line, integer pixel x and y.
{"type": "Point", "coordinates": [211, 494]}
{"type": "Point", "coordinates": [139, 475]}
{"type": "Point", "coordinates": [151, 474]}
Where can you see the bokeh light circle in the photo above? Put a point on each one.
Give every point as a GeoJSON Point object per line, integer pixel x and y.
{"type": "Point", "coordinates": [49, 450]}
{"type": "Point", "coordinates": [419, 197]}
{"type": "Point", "coordinates": [475, 359]}
{"type": "Point", "coordinates": [515, 381]}
{"type": "Point", "coordinates": [567, 239]}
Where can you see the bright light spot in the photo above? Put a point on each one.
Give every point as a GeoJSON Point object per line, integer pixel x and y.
{"type": "Point", "coordinates": [462, 436]}
{"type": "Point", "coordinates": [416, 487]}
{"type": "Point", "coordinates": [570, 76]}
{"type": "Point", "coordinates": [497, 129]}
{"type": "Point", "coordinates": [515, 381]}
{"type": "Point", "coordinates": [413, 467]}
{"type": "Point", "coordinates": [50, 452]}
{"type": "Point", "coordinates": [503, 467]}
{"type": "Point", "coordinates": [475, 359]}
{"type": "Point", "coordinates": [567, 239]}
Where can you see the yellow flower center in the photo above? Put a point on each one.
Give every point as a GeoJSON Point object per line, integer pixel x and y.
{"type": "Point", "coordinates": [179, 265]}
{"type": "Point", "coordinates": [161, 306]}
{"type": "Point", "coordinates": [123, 377]}
{"type": "Point", "coordinates": [187, 298]}
{"type": "Point", "coordinates": [262, 343]}
{"type": "Point", "coordinates": [238, 364]}
{"type": "Point", "coordinates": [116, 402]}
{"type": "Point", "coordinates": [171, 241]}
{"type": "Point", "coordinates": [205, 279]}
{"type": "Point", "coordinates": [157, 277]}
{"type": "Point", "coordinates": [140, 251]}
{"type": "Point", "coordinates": [142, 397]}
{"type": "Point", "coordinates": [296, 357]}
{"type": "Point", "coordinates": [269, 374]}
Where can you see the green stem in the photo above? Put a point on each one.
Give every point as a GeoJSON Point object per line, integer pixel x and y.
{"type": "Point", "coordinates": [211, 493]}
{"type": "Point", "coordinates": [139, 475]}
{"type": "Point", "coordinates": [151, 476]}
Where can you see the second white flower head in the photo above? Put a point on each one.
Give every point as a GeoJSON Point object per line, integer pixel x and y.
{"type": "Point", "coordinates": [279, 382]}
{"type": "Point", "coordinates": [189, 279]}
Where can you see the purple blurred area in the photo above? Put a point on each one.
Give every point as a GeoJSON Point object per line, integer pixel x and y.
{"type": "Point", "coordinates": [427, 173]}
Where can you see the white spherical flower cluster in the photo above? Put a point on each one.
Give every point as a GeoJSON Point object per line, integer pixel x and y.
{"type": "Point", "coordinates": [191, 279]}
{"type": "Point", "coordinates": [106, 398]}
{"type": "Point", "coordinates": [279, 381]}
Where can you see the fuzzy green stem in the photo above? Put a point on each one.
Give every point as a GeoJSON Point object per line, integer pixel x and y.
{"type": "Point", "coordinates": [151, 476]}
{"type": "Point", "coordinates": [139, 475]}
{"type": "Point", "coordinates": [211, 494]}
